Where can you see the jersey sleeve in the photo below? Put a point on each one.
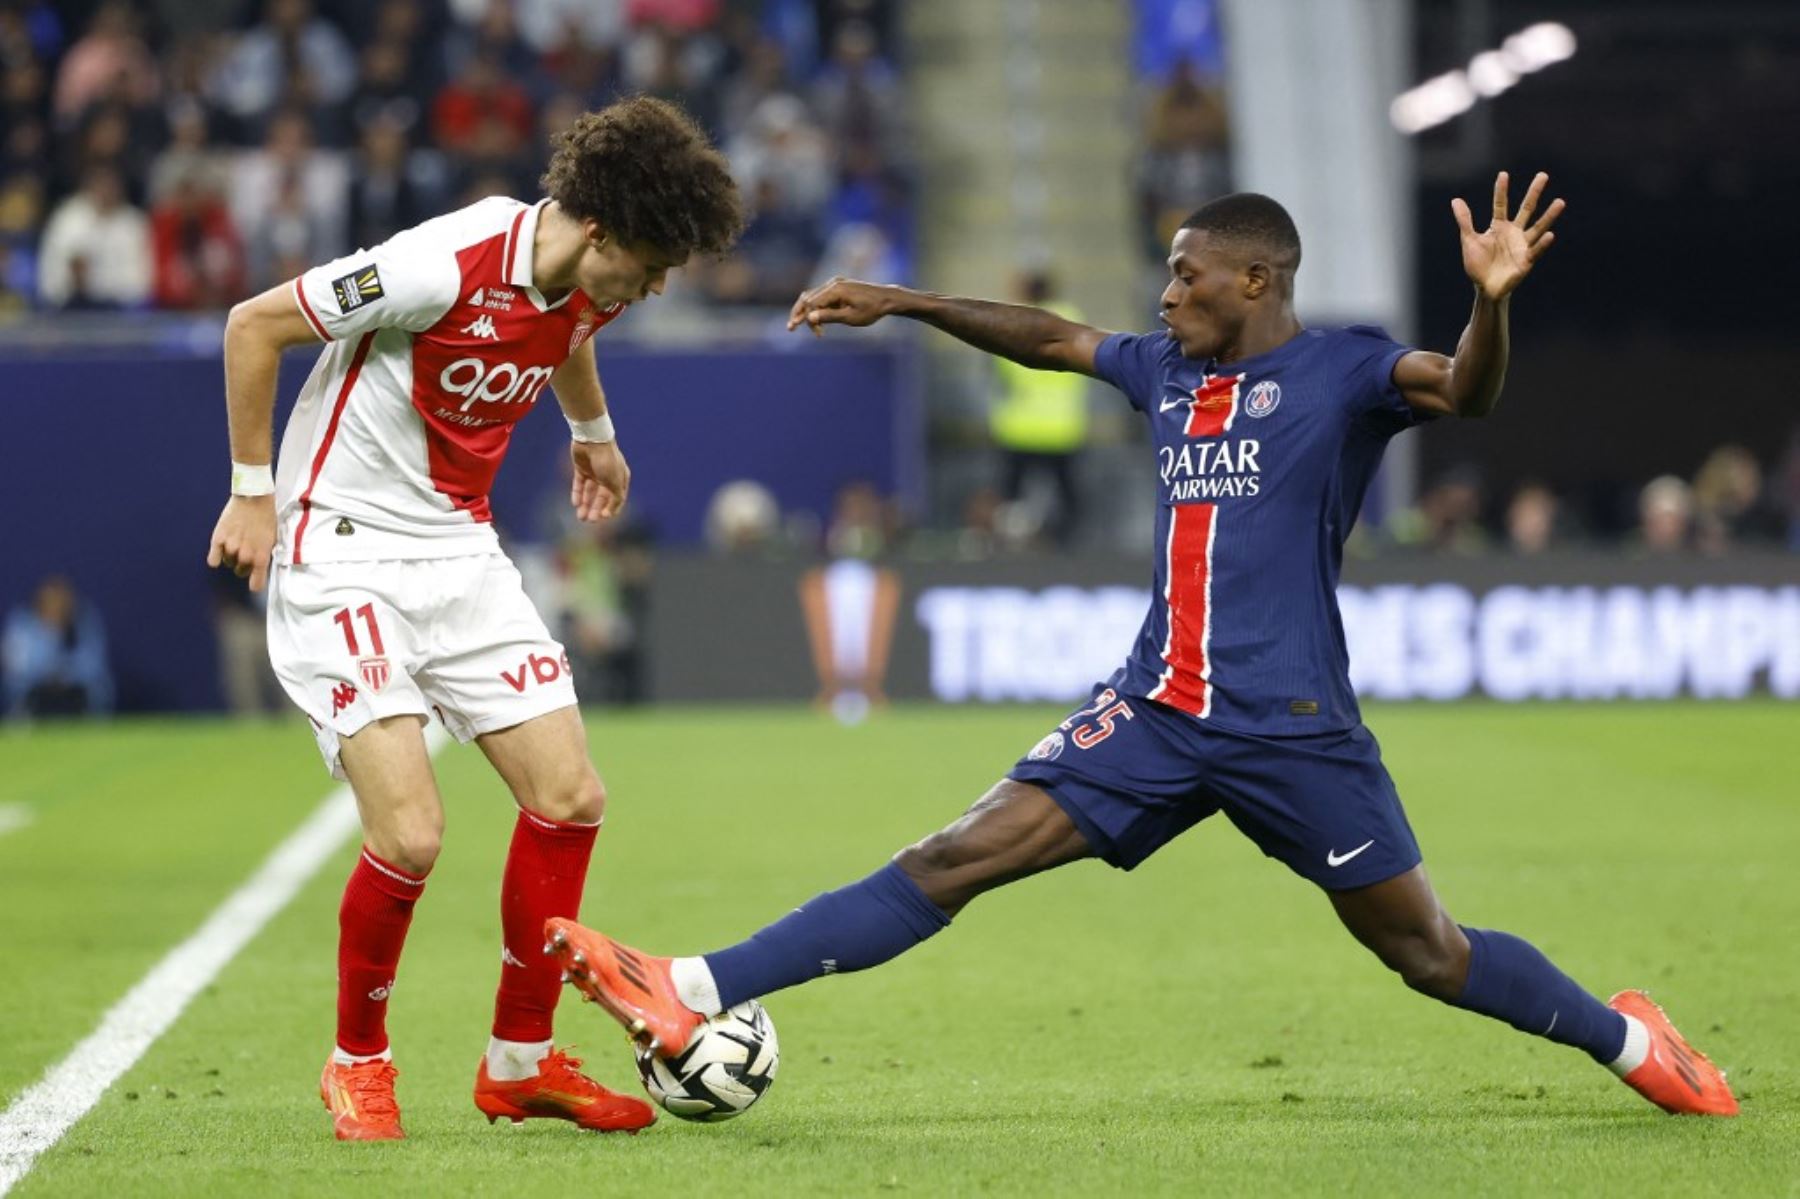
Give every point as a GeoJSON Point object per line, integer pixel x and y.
{"type": "Point", "coordinates": [1371, 395]}
{"type": "Point", "coordinates": [1133, 363]}
{"type": "Point", "coordinates": [407, 282]}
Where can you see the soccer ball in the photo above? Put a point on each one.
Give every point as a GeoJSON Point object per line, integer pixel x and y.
{"type": "Point", "coordinates": [727, 1065]}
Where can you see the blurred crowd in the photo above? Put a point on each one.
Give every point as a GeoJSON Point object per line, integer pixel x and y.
{"type": "Point", "coordinates": [1734, 500]}
{"type": "Point", "coordinates": [183, 154]}
{"type": "Point", "coordinates": [1185, 158]}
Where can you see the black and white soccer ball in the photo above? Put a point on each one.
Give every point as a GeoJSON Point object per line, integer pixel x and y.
{"type": "Point", "coordinates": [726, 1066]}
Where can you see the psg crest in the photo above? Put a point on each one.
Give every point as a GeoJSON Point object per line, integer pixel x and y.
{"type": "Point", "coordinates": [1048, 749]}
{"type": "Point", "coordinates": [1263, 398]}
{"type": "Point", "coordinates": [375, 673]}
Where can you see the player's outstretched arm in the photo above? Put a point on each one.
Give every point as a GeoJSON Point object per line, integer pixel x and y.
{"type": "Point", "coordinates": [1497, 260]}
{"type": "Point", "coordinates": [601, 478]}
{"type": "Point", "coordinates": [1029, 336]}
{"type": "Point", "coordinates": [256, 333]}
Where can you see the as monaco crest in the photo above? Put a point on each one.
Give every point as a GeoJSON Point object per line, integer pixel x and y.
{"type": "Point", "coordinates": [582, 329]}
{"type": "Point", "coordinates": [375, 673]}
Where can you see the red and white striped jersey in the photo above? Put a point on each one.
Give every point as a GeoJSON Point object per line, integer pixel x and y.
{"type": "Point", "coordinates": [437, 345]}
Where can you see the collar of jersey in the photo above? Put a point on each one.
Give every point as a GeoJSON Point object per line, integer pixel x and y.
{"type": "Point", "coordinates": [1264, 360]}
{"type": "Point", "coordinates": [518, 271]}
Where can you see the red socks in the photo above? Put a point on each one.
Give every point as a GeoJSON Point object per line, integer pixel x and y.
{"type": "Point", "coordinates": [372, 921]}
{"type": "Point", "coordinates": [546, 869]}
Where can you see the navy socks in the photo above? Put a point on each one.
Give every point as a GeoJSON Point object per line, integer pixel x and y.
{"type": "Point", "coordinates": [1511, 981]}
{"type": "Point", "coordinates": [852, 928]}
{"type": "Point", "coordinates": [884, 915]}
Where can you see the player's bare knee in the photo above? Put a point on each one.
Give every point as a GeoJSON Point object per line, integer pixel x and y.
{"type": "Point", "coordinates": [587, 803]}
{"type": "Point", "coordinates": [414, 847]}
{"type": "Point", "coordinates": [936, 855]}
{"type": "Point", "coordinates": [578, 799]}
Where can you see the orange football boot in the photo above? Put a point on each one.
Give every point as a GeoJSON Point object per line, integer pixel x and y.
{"type": "Point", "coordinates": [360, 1099]}
{"type": "Point", "coordinates": [561, 1091]}
{"type": "Point", "coordinates": [1674, 1075]}
{"type": "Point", "coordinates": [633, 987]}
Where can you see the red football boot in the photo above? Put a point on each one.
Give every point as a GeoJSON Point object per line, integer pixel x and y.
{"type": "Point", "coordinates": [634, 988]}
{"type": "Point", "coordinates": [1674, 1075]}
{"type": "Point", "coordinates": [560, 1091]}
{"type": "Point", "coordinates": [360, 1099]}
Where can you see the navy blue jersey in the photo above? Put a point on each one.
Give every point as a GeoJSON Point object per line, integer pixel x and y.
{"type": "Point", "coordinates": [1262, 464]}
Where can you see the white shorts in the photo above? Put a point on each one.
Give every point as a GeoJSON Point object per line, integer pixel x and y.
{"type": "Point", "coordinates": [354, 642]}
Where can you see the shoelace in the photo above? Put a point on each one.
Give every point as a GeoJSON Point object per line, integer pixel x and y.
{"type": "Point", "coordinates": [373, 1084]}
{"type": "Point", "coordinates": [565, 1068]}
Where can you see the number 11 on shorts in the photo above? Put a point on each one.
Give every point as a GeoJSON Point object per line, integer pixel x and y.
{"type": "Point", "coordinates": [367, 612]}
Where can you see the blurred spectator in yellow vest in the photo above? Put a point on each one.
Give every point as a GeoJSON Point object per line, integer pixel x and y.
{"type": "Point", "coordinates": [1039, 419]}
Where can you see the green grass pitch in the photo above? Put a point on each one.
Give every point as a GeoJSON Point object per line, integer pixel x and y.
{"type": "Point", "coordinates": [1198, 1026]}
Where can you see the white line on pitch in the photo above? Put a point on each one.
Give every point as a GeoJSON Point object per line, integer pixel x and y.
{"type": "Point", "coordinates": [13, 817]}
{"type": "Point", "coordinates": [47, 1109]}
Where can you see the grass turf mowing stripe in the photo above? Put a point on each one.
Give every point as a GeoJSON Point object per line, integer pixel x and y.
{"type": "Point", "coordinates": [40, 1116]}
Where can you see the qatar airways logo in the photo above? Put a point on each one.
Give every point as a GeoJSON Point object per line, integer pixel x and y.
{"type": "Point", "coordinates": [1210, 470]}
{"type": "Point", "coordinates": [480, 381]}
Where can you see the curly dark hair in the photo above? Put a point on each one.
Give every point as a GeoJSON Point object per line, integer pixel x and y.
{"type": "Point", "coordinates": [648, 174]}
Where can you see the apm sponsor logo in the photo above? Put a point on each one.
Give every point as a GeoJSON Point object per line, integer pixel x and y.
{"type": "Point", "coordinates": [477, 380]}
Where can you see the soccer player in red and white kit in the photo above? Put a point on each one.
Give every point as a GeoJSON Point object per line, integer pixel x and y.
{"type": "Point", "coordinates": [389, 596]}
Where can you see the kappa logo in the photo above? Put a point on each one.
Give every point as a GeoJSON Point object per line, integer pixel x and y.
{"type": "Point", "coordinates": [342, 696]}
{"type": "Point", "coordinates": [1263, 398]}
{"type": "Point", "coordinates": [542, 670]}
{"type": "Point", "coordinates": [507, 958]}
{"type": "Point", "coordinates": [482, 326]}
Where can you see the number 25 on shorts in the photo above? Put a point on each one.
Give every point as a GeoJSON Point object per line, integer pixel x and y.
{"type": "Point", "coordinates": [1089, 735]}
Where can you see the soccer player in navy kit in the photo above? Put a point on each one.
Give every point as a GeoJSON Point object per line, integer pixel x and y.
{"type": "Point", "coordinates": [1236, 697]}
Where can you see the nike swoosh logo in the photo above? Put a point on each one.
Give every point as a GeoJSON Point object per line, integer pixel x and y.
{"type": "Point", "coordinates": [1167, 406]}
{"type": "Point", "coordinates": [1334, 858]}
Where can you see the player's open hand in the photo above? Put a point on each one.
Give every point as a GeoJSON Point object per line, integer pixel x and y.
{"type": "Point", "coordinates": [839, 302]}
{"type": "Point", "coordinates": [1498, 258]}
{"type": "Point", "coordinates": [601, 479]}
{"type": "Point", "coordinates": [244, 539]}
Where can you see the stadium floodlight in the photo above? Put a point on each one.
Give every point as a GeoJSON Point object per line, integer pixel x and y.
{"type": "Point", "coordinates": [1538, 46]}
{"type": "Point", "coordinates": [1490, 74]}
{"type": "Point", "coordinates": [1433, 102]}
{"type": "Point", "coordinates": [1447, 96]}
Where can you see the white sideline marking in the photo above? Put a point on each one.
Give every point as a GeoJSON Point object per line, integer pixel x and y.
{"type": "Point", "coordinates": [13, 817]}
{"type": "Point", "coordinates": [47, 1109]}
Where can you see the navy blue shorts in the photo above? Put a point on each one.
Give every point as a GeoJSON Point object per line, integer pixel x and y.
{"type": "Point", "coordinates": [1133, 775]}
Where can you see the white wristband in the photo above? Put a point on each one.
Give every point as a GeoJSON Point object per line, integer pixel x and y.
{"type": "Point", "coordinates": [599, 429]}
{"type": "Point", "coordinates": [252, 480]}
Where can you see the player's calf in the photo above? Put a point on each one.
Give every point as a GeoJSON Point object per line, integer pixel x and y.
{"type": "Point", "coordinates": [1014, 831]}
